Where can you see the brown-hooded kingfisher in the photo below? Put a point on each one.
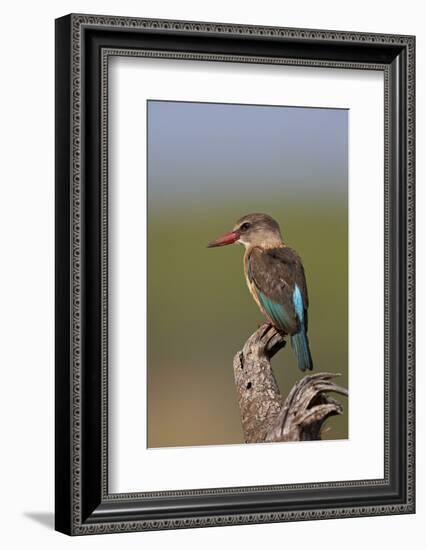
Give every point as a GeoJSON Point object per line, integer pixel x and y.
{"type": "Point", "coordinates": [275, 277]}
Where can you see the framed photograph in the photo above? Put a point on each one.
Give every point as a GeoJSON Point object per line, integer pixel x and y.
{"type": "Point", "coordinates": [202, 383]}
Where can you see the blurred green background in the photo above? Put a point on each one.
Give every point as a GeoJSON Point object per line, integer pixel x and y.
{"type": "Point", "coordinates": [209, 164]}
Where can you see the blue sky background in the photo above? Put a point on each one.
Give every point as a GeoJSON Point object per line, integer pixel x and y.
{"type": "Point", "coordinates": [200, 151]}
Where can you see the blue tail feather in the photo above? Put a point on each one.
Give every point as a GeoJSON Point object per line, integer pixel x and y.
{"type": "Point", "coordinates": [300, 345]}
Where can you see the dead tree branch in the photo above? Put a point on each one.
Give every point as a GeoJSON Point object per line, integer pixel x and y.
{"type": "Point", "coordinates": [265, 416]}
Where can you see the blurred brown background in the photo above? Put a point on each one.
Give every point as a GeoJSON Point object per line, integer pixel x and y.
{"type": "Point", "coordinates": [208, 165]}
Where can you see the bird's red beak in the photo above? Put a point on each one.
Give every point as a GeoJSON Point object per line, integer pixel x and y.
{"type": "Point", "coordinates": [228, 238]}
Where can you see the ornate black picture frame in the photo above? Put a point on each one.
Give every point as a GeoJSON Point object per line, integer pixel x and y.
{"type": "Point", "coordinates": [83, 45]}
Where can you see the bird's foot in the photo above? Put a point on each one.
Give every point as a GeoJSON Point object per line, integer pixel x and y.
{"type": "Point", "coordinates": [266, 326]}
{"type": "Point", "coordinates": [271, 338]}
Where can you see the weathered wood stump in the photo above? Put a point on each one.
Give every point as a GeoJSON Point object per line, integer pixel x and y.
{"type": "Point", "coordinates": [265, 416]}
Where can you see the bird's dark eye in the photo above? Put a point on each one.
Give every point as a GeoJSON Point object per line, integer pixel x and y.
{"type": "Point", "coordinates": [245, 226]}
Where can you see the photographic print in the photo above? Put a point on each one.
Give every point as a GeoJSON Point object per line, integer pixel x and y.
{"type": "Point", "coordinates": [247, 325]}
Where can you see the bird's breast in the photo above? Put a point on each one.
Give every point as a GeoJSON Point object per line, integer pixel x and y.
{"type": "Point", "coordinates": [250, 283]}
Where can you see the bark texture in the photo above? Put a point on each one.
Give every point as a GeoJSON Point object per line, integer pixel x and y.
{"type": "Point", "coordinates": [265, 416]}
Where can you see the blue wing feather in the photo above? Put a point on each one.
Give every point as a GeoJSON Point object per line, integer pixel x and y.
{"type": "Point", "coordinates": [298, 304]}
{"type": "Point", "coordinates": [281, 318]}
{"type": "Point", "coordinates": [299, 341]}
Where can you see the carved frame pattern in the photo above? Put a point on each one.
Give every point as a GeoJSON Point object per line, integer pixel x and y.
{"type": "Point", "coordinates": [76, 524]}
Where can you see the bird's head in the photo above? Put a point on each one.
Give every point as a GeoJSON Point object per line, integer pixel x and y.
{"type": "Point", "coordinates": [252, 230]}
